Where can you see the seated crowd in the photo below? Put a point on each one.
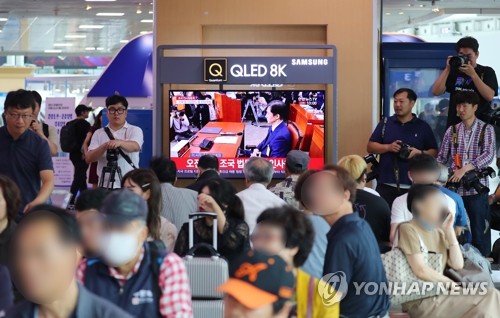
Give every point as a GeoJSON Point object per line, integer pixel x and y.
{"type": "Point", "coordinates": [301, 248]}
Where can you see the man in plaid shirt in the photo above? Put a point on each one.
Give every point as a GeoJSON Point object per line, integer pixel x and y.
{"type": "Point", "coordinates": [468, 146]}
{"type": "Point", "coordinates": [138, 276]}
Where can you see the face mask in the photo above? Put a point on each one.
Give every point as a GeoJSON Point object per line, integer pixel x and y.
{"type": "Point", "coordinates": [119, 248]}
{"type": "Point", "coordinates": [424, 224]}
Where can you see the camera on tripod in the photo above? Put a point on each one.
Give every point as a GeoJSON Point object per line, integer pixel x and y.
{"type": "Point", "coordinates": [374, 173]}
{"type": "Point", "coordinates": [472, 180]}
{"type": "Point", "coordinates": [112, 155]}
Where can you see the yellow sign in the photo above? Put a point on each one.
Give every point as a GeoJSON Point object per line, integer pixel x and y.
{"type": "Point", "coordinates": [215, 70]}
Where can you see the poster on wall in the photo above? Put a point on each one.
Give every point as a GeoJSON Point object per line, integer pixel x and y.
{"type": "Point", "coordinates": [59, 111]}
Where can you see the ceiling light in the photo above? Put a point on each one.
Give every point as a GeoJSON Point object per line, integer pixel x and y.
{"type": "Point", "coordinates": [91, 26]}
{"type": "Point", "coordinates": [88, 7]}
{"type": "Point", "coordinates": [99, 48]}
{"type": "Point", "coordinates": [147, 21]}
{"type": "Point", "coordinates": [63, 44]}
{"type": "Point", "coordinates": [436, 9]}
{"type": "Point", "coordinates": [3, 19]}
{"type": "Point", "coordinates": [422, 6]}
{"type": "Point", "coordinates": [75, 36]}
{"type": "Point", "coordinates": [123, 41]}
{"type": "Point", "coordinates": [401, 12]}
{"type": "Point", "coordinates": [90, 49]}
{"type": "Point", "coordinates": [110, 14]}
{"type": "Point", "coordinates": [387, 13]}
{"type": "Point", "coordinates": [52, 51]}
{"type": "Point", "coordinates": [150, 12]}
{"type": "Point", "coordinates": [139, 11]}
{"type": "Point", "coordinates": [145, 32]}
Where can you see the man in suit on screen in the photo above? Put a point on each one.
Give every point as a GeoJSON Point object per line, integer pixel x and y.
{"type": "Point", "coordinates": [278, 141]}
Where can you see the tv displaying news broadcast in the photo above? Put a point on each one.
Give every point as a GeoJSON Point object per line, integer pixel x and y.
{"type": "Point", "coordinates": [237, 125]}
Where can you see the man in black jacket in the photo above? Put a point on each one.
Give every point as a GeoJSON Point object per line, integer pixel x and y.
{"type": "Point", "coordinates": [208, 169]}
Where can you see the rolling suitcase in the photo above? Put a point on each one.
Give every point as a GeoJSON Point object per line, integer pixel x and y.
{"type": "Point", "coordinates": [205, 273]}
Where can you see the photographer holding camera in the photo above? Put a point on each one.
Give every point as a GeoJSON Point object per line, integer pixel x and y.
{"type": "Point", "coordinates": [180, 123]}
{"type": "Point", "coordinates": [128, 139]}
{"type": "Point", "coordinates": [397, 139]}
{"type": "Point", "coordinates": [469, 148]}
{"type": "Point", "coordinates": [461, 74]}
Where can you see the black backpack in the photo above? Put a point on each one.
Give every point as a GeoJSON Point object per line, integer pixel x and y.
{"type": "Point", "coordinates": [67, 137]}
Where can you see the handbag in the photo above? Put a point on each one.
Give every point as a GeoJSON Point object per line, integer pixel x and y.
{"type": "Point", "coordinates": [399, 273]}
{"type": "Point", "coordinates": [476, 268]}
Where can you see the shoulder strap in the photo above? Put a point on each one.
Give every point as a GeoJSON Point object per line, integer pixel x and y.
{"type": "Point", "coordinates": [481, 137]}
{"type": "Point", "coordinates": [157, 253]}
{"type": "Point", "coordinates": [454, 140]}
{"type": "Point", "coordinates": [108, 132]}
{"type": "Point", "coordinates": [310, 297]}
{"type": "Point", "coordinates": [384, 127]}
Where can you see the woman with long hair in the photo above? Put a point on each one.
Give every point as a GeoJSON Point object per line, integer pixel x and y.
{"type": "Point", "coordinates": [93, 177]}
{"type": "Point", "coordinates": [218, 196]}
{"type": "Point", "coordinates": [145, 183]}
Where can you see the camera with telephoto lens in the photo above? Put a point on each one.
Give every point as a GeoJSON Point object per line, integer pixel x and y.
{"type": "Point", "coordinates": [374, 173]}
{"type": "Point", "coordinates": [458, 61]}
{"type": "Point", "coordinates": [405, 151]}
{"type": "Point", "coordinates": [112, 155]}
{"type": "Point", "coordinates": [472, 180]}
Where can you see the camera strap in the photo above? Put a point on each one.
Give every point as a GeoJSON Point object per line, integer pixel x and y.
{"type": "Point", "coordinates": [455, 142]}
{"type": "Point", "coordinates": [396, 173]}
{"type": "Point", "coordinates": [383, 128]}
{"type": "Point", "coordinates": [120, 151]}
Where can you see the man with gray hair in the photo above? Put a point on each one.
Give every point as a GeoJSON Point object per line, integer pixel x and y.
{"type": "Point", "coordinates": [257, 198]}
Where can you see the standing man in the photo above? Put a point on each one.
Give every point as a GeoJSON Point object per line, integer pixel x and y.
{"type": "Point", "coordinates": [81, 128]}
{"type": "Point", "coordinates": [25, 156]}
{"type": "Point", "coordinates": [126, 137]}
{"type": "Point", "coordinates": [46, 252]}
{"type": "Point", "coordinates": [468, 77]}
{"type": "Point", "coordinates": [397, 139]}
{"type": "Point", "coordinates": [45, 131]}
{"type": "Point", "coordinates": [296, 163]}
{"type": "Point", "coordinates": [352, 255]}
{"type": "Point", "coordinates": [470, 145]}
{"type": "Point", "coordinates": [278, 141]}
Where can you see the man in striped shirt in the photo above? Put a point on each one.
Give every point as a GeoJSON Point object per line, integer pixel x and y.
{"type": "Point", "coordinates": [468, 146]}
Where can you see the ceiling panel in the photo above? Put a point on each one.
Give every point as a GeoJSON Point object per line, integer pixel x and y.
{"type": "Point", "coordinates": [34, 26]}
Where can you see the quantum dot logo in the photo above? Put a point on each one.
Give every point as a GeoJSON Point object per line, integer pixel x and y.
{"type": "Point", "coordinates": [334, 289]}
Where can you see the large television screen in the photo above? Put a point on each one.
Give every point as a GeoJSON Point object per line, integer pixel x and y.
{"type": "Point", "coordinates": [236, 125]}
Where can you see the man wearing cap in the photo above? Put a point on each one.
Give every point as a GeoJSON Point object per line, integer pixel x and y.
{"type": "Point", "coordinates": [81, 128]}
{"type": "Point", "coordinates": [296, 163]}
{"type": "Point", "coordinates": [260, 286]}
{"type": "Point", "coordinates": [139, 276]}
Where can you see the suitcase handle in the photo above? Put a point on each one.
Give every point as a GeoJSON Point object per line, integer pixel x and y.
{"type": "Point", "coordinates": [203, 246]}
{"type": "Point", "coordinates": [196, 215]}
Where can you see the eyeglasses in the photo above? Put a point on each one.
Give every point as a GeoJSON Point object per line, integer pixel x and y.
{"type": "Point", "coordinates": [25, 117]}
{"type": "Point", "coordinates": [118, 111]}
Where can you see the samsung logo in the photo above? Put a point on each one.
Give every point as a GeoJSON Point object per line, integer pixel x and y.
{"type": "Point", "coordinates": [309, 61]}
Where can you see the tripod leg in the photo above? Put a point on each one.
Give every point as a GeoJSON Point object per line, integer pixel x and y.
{"type": "Point", "coordinates": [103, 176]}
{"type": "Point", "coordinates": [111, 180]}
{"type": "Point", "coordinates": [120, 177]}
{"type": "Point", "coordinates": [254, 111]}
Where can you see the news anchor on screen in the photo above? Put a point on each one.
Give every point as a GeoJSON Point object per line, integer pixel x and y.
{"type": "Point", "coordinates": [278, 141]}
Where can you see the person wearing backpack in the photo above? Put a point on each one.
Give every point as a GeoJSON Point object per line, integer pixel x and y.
{"type": "Point", "coordinates": [140, 277]}
{"type": "Point", "coordinates": [72, 137]}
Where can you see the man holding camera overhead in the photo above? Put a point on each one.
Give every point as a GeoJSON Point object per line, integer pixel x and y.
{"type": "Point", "coordinates": [470, 147]}
{"type": "Point", "coordinates": [461, 74]}
{"type": "Point", "coordinates": [397, 139]}
{"type": "Point", "coordinates": [126, 137]}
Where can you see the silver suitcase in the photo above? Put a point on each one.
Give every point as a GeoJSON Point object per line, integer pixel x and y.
{"type": "Point", "coordinates": [206, 273]}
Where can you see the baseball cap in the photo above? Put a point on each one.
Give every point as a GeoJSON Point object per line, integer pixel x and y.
{"type": "Point", "coordinates": [297, 160]}
{"type": "Point", "coordinates": [82, 108]}
{"type": "Point", "coordinates": [257, 279]}
{"type": "Point", "coordinates": [123, 206]}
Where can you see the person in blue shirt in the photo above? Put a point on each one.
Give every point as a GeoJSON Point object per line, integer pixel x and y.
{"type": "Point", "coordinates": [278, 141]}
{"type": "Point", "coordinates": [387, 140]}
{"type": "Point", "coordinates": [462, 223]}
{"type": "Point", "coordinates": [352, 255]}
